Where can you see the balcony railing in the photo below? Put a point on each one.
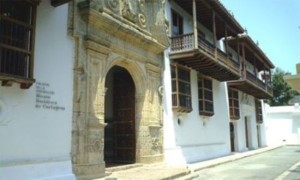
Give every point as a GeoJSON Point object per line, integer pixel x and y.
{"type": "Point", "coordinates": [186, 42]}
{"type": "Point", "coordinates": [258, 82]}
{"type": "Point", "coordinates": [222, 56]}
{"type": "Point", "coordinates": [206, 45]}
{"type": "Point", "coordinates": [182, 42]}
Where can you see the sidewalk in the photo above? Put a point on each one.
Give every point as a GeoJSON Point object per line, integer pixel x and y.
{"type": "Point", "coordinates": [235, 156]}
{"type": "Point", "coordinates": [163, 171]}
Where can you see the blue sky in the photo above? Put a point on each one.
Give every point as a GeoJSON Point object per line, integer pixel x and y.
{"type": "Point", "coordinates": [275, 24]}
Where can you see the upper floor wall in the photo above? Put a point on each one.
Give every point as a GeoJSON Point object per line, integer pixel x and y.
{"type": "Point", "coordinates": [198, 30]}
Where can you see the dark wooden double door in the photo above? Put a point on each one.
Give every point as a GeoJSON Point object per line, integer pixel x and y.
{"type": "Point", "coordinates": [120, 132]}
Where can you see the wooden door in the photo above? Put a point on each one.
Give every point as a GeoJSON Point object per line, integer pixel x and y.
{"type": "Point", "coordinates": [124, 118]}
{"type": "Point", "coordinates": [232, 136]}
{"type": "Point", "coordinates": [246, 132]}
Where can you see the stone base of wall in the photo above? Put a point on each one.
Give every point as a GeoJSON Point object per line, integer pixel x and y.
{"type": "Point", "coordinates": [152, 159]}
{"type": "Point", "coordinates": [89, 171]}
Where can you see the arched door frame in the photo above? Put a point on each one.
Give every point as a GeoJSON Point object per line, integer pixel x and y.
{"type": "Point", "coordinates": [139, 79]}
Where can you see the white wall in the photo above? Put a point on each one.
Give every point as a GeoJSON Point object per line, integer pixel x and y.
{"type": "Point", "coordinates": [247, 110]}
{"type": "Point", "coordinates": [36, 136]}
{"type": "Point", "coordinates": [196, 137]}
{"type": "Point", "coordinates": [283, 124]}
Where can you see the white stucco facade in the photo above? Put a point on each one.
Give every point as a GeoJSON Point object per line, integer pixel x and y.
{"type": "Point", "coordinates": [36, 123]}
{"type": "Point", "coordinates": [248, 134]}
{"type": "Point", "coordinates": [283, 124]}
{"type": "Point", "coordinates": [190, 137]}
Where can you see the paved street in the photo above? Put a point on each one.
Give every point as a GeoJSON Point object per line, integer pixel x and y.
{"type": "Point", "coordinates": [281, 163]}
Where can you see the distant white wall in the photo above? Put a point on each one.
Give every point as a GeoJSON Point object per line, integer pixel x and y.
{"type": "Point", "coordinates": [35, 124]}
{"type": "Point", "coordinates": [283, 124]}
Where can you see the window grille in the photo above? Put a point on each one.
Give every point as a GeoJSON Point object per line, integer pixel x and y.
{"type": "Point", "coordinates": [205, 93]}
{"type": "Point", "coordinates": [234, 105]}
{"type": "Point", "coordinates": [259, 115]}
{"type": "Point", "coordinates": [17, 22]}
{"type": "Point", "coordinates": [181, 88]}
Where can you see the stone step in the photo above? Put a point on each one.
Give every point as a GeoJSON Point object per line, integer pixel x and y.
{"type": "Point", "coordinates": [110, 170]}
{"type": "Point", "coordinates": [150, 172]}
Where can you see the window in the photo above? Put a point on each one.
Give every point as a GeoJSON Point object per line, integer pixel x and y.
{"type": "Point", "coordinates": [17, 22]}
{"type": "Point", "coordinates": [259, 116]}
{"type": "Point", "coordinates": [234, 105]}
{"type": "Point", "coordinates": [181, 88]}
{"type": "Point", "coordinates": [177, 23]}
{"type": "Point", "coordinates": [205, 93]}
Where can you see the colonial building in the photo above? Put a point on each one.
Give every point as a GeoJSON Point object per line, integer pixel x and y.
{"type": "Point", "coordinates": [196, 119]}
{"type": "Point", "coordinates": [117, 108]}
{"type": "Point", "coordinates": [203, 115]}
{"type": "Point", "coordinates": [36, 59]}
{"type": "Point", "coordinates": [245, 94]}
{"type": "Point", "coordinates": [84, 79]}
{"type": "Point", "coordinates": [87, 85]}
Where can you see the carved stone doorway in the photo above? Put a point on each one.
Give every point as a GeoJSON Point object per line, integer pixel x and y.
{"type": "Point", "coordinates": [119, 137]}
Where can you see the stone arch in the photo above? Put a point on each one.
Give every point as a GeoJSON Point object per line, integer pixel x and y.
{"type": "Point", "coordinates": [138, 75]}
{"type": "Point", "coordinates": [136, 72]}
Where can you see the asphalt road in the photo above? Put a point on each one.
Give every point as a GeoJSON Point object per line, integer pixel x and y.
{"type": "Point", "coordinates": [281, 163]}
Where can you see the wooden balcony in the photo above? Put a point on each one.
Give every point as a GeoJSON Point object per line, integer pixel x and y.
{"type": "Point", "coordinates": [252, 85]}
{"type": "Point", "coordinates": [251, 54]}
{"type": "Point", "coordinates": [206, 58]}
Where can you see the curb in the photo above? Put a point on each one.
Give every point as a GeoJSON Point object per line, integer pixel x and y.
{"type": "Point", "coordinates": [222, 160]}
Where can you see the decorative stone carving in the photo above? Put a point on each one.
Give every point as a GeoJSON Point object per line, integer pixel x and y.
{"type": "Point", "coordinates": [95, 141]}
{"type": "Point", "coordinates": [141, 16]}
{"type": "Point", "coordinates": [163, 2]}
{"type": "Point", "coordinates": [153, 78]}
{"type": "Point", "coordinates": [128, 12]}
{"type": "Point", "coordinates": [112, 5]}
{"type": "Point", "coordinates": [155, 135]}
{"type": "Point", "coordinates": [155, 144]}
{"type": "Point", "coordinates": [96, 4]}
